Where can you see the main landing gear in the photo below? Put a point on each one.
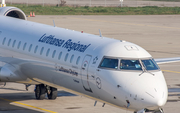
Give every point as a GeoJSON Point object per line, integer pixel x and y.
{"type": "Point", "coordinates": [41, 90]}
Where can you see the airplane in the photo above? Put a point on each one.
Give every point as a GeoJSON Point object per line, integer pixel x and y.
{"type": "Point", "coordinates": [111, 71]}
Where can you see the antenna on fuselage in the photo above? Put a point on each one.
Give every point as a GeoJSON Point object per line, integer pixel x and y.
{"type": "Point", "coordinates": [54, 23]}
{"type": "Point", "coordinates": [3, 4]}
{"type": "Point", "coordinates": [100, 34]}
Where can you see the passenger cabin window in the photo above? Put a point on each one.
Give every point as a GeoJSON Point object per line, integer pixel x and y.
{"type": "Point", "coordinates": [4, 40]}
{"type": "Point", "coordinates": [35, 50]}
{"type": "Point", "coordinates": [19, 44]}
{"type": "Point", "coordinates": [54, 53]}
{"type": "Point", "coordinates": [24, 47]}
{"type": "Point", "coordinates": [42, 49]}
{"type": "Point", "coordinates": [14, 43]}
{"type": "Point", "coordinates": [109, 63]}
{"type": "Point", "coordinates": [71, 58]}
{"type": "Point", "coordinates": [30, 47]}
{"type": "Point", "coordinates": [9, 42]}
{"type": "Point", "coordinates": [78, 59]}
{"type": "Point", "coordinates": [47, 53]}
{"type": "Point", "coordinates": [60, 54]}
{"type": "Point", "coordinates": [66, 57]}
{"type": "Point", "coordinates": [130, 65]}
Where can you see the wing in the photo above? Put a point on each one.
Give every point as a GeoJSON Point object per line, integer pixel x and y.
{"type": "Point", "coordinates": [167, 60]}
{"type": "Point", "coordinates": [17, 70]}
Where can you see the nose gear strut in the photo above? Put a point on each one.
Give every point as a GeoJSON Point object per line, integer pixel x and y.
{"type": "Point", "coordinates": [160, 110]}
{"type": "Point", "coordinates": [141, 111]}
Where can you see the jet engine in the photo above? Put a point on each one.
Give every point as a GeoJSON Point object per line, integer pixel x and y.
{"type": "Point", "coordinates": [13, 12]}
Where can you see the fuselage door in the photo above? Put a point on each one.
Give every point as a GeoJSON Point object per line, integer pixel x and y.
{"type": "Point", "coordinates": [84, 73]}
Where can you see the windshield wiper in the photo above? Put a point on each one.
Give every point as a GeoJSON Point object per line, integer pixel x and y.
{"type": "Point", "coordinates": [144, 69]}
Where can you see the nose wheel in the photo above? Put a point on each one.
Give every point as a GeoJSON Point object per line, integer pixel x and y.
{"type": "Point", "coordinates": [159, 111]}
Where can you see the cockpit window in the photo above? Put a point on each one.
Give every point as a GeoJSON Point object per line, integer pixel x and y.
{"type": "Point", "coordinates": [149, 64]}
{"type": "Point", "coordinates": [145, 64]}
{"type": "Point", "coordinates": [109, 63]}
{"type": "Point", "coordinates": [123, 64]}
{"type": "Point", "coordinates": [130, 65]}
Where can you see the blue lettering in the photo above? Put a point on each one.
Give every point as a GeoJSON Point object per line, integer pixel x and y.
{"type": "Point", "coordinates": [69, 44]}
{"type": "Point", "coordinates": [41, 39]}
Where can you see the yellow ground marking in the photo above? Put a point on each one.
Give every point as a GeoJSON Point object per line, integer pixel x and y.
{"type": "Point", "coordinates": [126, 23]}
{"type": "Point", "coordinates": [171, 71]}
{"type": "Point", "coordinates": [28, 105]}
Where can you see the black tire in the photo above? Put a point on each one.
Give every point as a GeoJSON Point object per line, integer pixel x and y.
{"type": "Point", "coordinates": [53, 93]}
{"type": "Point", "coordinates": [40, 92]}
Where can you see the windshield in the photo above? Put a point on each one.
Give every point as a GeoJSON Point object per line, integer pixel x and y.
{"type": "Point", "coordinates": [130, 65]}
{"type": "Point", "coordinates": [149, 64]}
{"type": "Point", "coordinates": [109, 63]}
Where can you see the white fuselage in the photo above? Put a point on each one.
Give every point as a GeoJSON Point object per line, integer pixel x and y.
{"type": "Point", "coordinates": [72, 60]}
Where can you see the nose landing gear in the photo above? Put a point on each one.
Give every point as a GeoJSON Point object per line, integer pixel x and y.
{"type": "Point", "coordinates": [141, 111]}
{"type": "Point", "coordinates": [160, 110]}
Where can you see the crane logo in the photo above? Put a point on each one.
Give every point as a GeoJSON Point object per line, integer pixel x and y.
{"type": "Point", "coordinates": [98, 82]}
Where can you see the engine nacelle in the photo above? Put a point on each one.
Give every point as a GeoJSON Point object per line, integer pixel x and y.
{"type": "Point", "coordinates": [13, 12]}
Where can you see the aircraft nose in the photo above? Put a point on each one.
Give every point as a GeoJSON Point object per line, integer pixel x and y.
{"type": "Point", "coordinates": [160, 98]}
{"type": "Point", "coordinates": [154, 100]}
{"type": "Point", "coordinates": [161, 103]}
{"type": "Point", "coordinates": [156, 94]}
{"type": "Point", "coordinates": [147, 91]}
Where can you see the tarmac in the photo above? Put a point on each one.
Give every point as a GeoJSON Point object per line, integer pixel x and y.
{"type": "Point", "coordinates": [158, 34]}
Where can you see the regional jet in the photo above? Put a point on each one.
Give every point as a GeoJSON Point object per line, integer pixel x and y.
{"type": "Point", "coordinates": [108, 70]}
